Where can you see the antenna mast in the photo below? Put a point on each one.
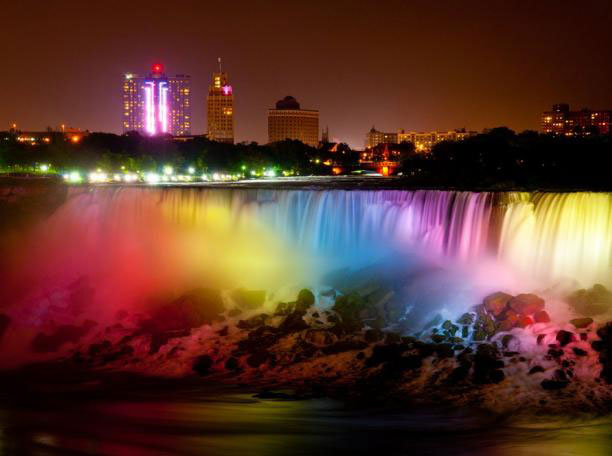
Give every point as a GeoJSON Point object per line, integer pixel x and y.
{"type": "Point", "coordinates": [219, 60]}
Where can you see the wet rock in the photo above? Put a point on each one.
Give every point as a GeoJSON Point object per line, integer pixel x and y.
{"type": "Point", "coordinates": [99, 348]}
{"type": "Point", "coordinates": [319, 337]}
{"type": "Point", "coordinates": [541, 317]}
{"type": "Point", "coordinates": [5, 321]}
{"type": "Point", "coordinates": [465, 332]}
{"type": "Point", "coordinates": [343, 346]}
{"type": "Point", "coordinates": [540, 338]}
{"type": "Point", "coordinates": [526, 304]}
{"type": "Point", "coordinates": [384, 353]}
{"type": "Point", "coordinates": [43, 343]}
{"type": "Point", "coordinates": [444, 350]}
{"type": "Point", "coordinates": [556, 353]}
{"type": "Point", "coordinates": [253, 322]}
{"type": "Point", "coordinates": [284, 308]}
{"type": "Point", "coordinates": [373, 335]}
{"type": "Point", "coordinates": [232, 364]}
{"type": "Point", "coordinates": [294, 322]}
{"type": "Point", "coordinates": [438, 338]}
{"type": "Point", "coordinates": [565, 337]}
{"type": "Point", "coordinates": [262, 337]}
{"type": "Point", "coordinates": [349, 307]}
{"type": "Point", "coordinates": [497, 303]}
{"type": "Point", "coordinates": [559, 381]}
{"type": "Point", "coordinates": [524, 321]}
{"type": "Point", "coordinates": [249, 299]}
{"type": "Point", "coordinates": [579, 351]}
{"type": "Point", "coordinates": [487, 365]}
{"type": "Point", "coordinates": [192, 310]}
{"type": "Point", "coordinates": [604, 347]}
{"type": "Point", "coordinates": [466, 319]}
{"type": "Point", "coordinates": [581, 323]}
{"type": "Point", "coordinates": [509, 321]}
{"type": "Point", "coordinates": [395, 367]}
{"type": "Point", "coordinates": [459, 374]}
{"type": "Point", "coordinates": [223, 331]}
{"type": "Point", "coordinates": [258, 358]}
{"type": "Point", "coordinates": [536, 370]}
{"type": "Point", "coordinates": [479, 335]}
{"type": "Point", "coordinates": [202, 365]}
{"type": "Point", "coordinates": [392, 338]}
{"type": "Point", "coordinates": [305, 299]}
{"type": "Point", "coordinates": [595, 301]}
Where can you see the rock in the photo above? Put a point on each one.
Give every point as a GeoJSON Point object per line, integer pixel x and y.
{"type": "Point", "coordinates": [565, 337]}
{"type": "Point", "coordinates": [232, 364]}
{"type": "Point", "coordinates": [541, 317]}
{"type": "Point", "coordinates": [559, 381]}
{"type": "Point", "coordinates": [223, 331]}
{"type": "Point", "coordinates": [466, 319]}
{"type": "Point", "coordinates": [202, 365]}
{"type": "Point", "coordinates": [497, 303]}
{"type": "Point", "coordinates": [438, 338]}
{"type": "Point", "coordinates": [540, 338]}
{"type": "Point", "coordinates": [459, 374]}
{"type": "Point", "coordinates": [284, 308]}
{"type": "Point", "coordinates": [348, 307]}
{"type": "Point", "coordinates": [465, 332]}
{"type": "Point", "coordinates": [479, 335]}
{"type": "Point", "coordinates": [581, 323]}
{"type": "Point", "coordinates": [192, 310]}
{"type": "Point", "coordinates": [556, 353]}
{"type": "Point", "coordinates": [524, 321]}
{"type": "Point", "coordinates": [253, 322]}
{"type": "Point", "coordinates": [343, 346]}
{"type": "Point", "coordinates": [579, 351]}
{"type": "Point", "coordinates": [487, 365]}
{"type": "Point", "coordinates": [294, 322]}
{"type": "Point", "coordinates": [385, 353]}
{"type": "Point", "coordinates": [258, 358]}
{"type": "Point", "coordinates": [510, 321]}
{"type": "Point", "coordinates": [392, 338]}
{"type": "Point", "coordinates": [536, 370]}
{"type": "Point", "coordinates": [305, 299]}
{"type": "Point", "coordinates": [444, 351]}
{"type": "Point", "coordinates": [249, 299]}
{"type": "Point", "coordinates": [526, 304]}
{"type": "Point", "coordinates": [5, 321]}
{"type": "Point", "coordinates": [595, 301]}
{"type": "Point", "coordinates": [373, 335]}
{"type": "Point", "coordinates": [319, 337]}
{"type": "Point", "coordinates": [43, 343]}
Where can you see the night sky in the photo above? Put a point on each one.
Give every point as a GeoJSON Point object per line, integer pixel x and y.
{"type": "Point", "coordinates": [393, 64]}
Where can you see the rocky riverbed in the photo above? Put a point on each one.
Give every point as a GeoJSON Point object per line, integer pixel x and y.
{"type": "Point", "coordinates": [504, 355]}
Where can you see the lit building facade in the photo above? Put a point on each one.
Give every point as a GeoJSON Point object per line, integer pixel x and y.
{"type": "Point", "coordinates": [375, 137]}
{"type": "Point", "coordinates": [424, 141]}
{"type": "Point", "coordinates": [220, 109]}
{"type": "Point", "coordinates": [157, 104]}
{"type": "Point", "coordinates": [562, 121]}
{"type": "Point", "coordinates": [289, 121]}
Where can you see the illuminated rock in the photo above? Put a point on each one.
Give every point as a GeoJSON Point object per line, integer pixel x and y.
{"type": "Point", "coordinates": [526, 304]}
{"type": "Point", "coordinates": [581, 323]}
{"type": "Point", "coordinates": [497, 303]}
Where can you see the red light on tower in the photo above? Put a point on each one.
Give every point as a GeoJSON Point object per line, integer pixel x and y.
{"type": "Point", "coordinates": [157, 68]}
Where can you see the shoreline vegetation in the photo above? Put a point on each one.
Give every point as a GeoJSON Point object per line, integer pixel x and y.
{"type": "Point", "coordinates": [497, 160]}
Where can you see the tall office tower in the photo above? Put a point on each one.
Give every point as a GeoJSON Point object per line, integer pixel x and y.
{"type": "Point", "coordinates": [220, 108]}
{"type": "Point", "coordinates": [157, 104]}
{"type": "Point", "coordinates": [288, 121]}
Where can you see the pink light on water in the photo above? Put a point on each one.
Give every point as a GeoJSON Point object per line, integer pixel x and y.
{"type": "Point", "coordinates": [150, 107]}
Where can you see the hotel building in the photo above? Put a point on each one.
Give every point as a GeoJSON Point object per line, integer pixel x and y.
{"type": "Point", "coordinates": [289, 121]}
{"type": "Point", "coordinates": [562, 121]}
{"type": "Point", "coordinates": [157, 104]}
{"type": "Point", "coordinates": [220, 108]}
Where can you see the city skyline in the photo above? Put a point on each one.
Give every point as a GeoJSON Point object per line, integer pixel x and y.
{"type": "Point", "coordinates": [418, 67]}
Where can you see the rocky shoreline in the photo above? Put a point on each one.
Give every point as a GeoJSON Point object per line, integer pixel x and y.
{"type": "Point", "coordinates": [505, 355]}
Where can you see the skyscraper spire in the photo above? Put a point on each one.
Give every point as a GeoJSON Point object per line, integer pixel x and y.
{"type": "Point", "coordinates": [219, 60]}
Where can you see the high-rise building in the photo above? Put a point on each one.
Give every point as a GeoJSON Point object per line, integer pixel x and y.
{"type": "Point", "coordinates": [375, 137]}
{"type": "Point", "coordinates": [562, 121]}
{"type": "Point", "coordinates": [288, 121]}
{"type": "Point", "coordinates": [424, 140]}
{"type": "Point", "coordinates": [220, 108]}
{"type": "Point", "coordinates": [157, 104]}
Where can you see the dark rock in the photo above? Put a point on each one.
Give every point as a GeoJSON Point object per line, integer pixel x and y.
{"type": "Point", "coordinates": [202, 365]}
{"type": "Point", "coordinates": [510, 320]}
{"type": "Point", "coordinates": [595, 301]}
{"type": "Point", "coordinates": [479, 335]}
{"type": "Point", "coordinates": [444, 351]}
{"type": "Point", "coordinates": [98, 348]}
{"type": "Point", "coordinates": [344, 346]}
{"type": "Point", "coordinates": [579, 351]}
{"type": "Point", "coordinates": [305, 299]}
{"type": "Point", "coordinates": [315, 315]}
{"type": "Point", "coordinates": [320, 337]}
{"type": "Point", "coordinates": [360, 355]}
{"type": "Point", "coordinates": [497, 303]}
{"type": "Point", "coordinates": [253, 322]}
{"type": "Point", "coordinates": [536, 370]}
{"type": "Point", "coordinates": [459, 374]}
{"type": "Point", "coordinates": [349, 307]}
{"type": "Point", "coordinates": [466, 319]}
{"type": "Point", "coordinates": [284, 308]}
{"type": "Point", "coordinates": [192, 310]}
{"type": "Point", "coordinates": [541, 317]}
{"type": "Point", "coordinates": [373, 335]}
{"type": "Point", "coordinates": [397, 366]}
{"type": "Point", "coordinates": [232, 364]}
{"type": "Point", "coordinates": [540, 338]}
{"type": "Point", "coordinates": [249, 299]}
{"type": "Point", "coordinates": [385, 353]}
{"type": "Point", "coordinates": [294, 322]}
{"type": "Point", "coordinates": [465, 332]}
{"type": "Point", "coordinates": [559, 381]}
{"type": "Point", "coordinates": [581, 323]}
{"type": "Point", "coordinates": [487, 365]}
{"type": "Point", "coordinates": [438, 338]}
{"type": "Point", "coordinates": [392, 338]}
{"type": "Point", "coordinates": [258, 358]}
{"type": "Point", "coordinates": [565, 337]}
{"type": "Point", "coordinates": [223, 331]}
{"type": "Point", "coordinates": [63, 334]}
{"type": "Point", "coordinates": [261, 338]}
{"type": "Point", "coordinates": [556, 352]}
{"type": "Point", "coordinates": [506, 340]}
{"type": "Point", "coordinates": [584, 336]}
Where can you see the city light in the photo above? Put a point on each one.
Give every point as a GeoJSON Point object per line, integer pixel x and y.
{"type": "Point", "coordinates": [152, 178]}
{"type": "Point", "coordinates": [168, 170]}
{"type": "Point", "coordinates": [191, 170]}
{"type": "Point", "coordinates": [44, 168]}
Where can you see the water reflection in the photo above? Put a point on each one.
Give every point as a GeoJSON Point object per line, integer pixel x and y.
{"type": "Point", "coordinates": [237, 424]}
